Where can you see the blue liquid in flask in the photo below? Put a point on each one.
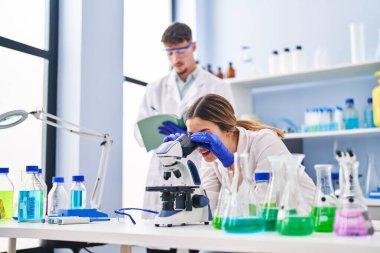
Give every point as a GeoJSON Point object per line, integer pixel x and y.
{"type": "Point", "coordinates": [78, 199]}
{"type": "Point", "coordinates": [29, 205]}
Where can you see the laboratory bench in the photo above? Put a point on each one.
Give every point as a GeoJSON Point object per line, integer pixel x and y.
{"type": "Point", "coordinates": [202, 237]}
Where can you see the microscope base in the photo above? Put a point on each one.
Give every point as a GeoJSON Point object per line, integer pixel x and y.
{"type": "Point", "coordinates": [182, 217]}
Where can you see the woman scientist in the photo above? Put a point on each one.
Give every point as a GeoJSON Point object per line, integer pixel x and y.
{"type": "Point", "coordinates": [212, 123]}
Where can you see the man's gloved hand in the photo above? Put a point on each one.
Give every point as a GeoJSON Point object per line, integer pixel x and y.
{"type": "Point", "coordinates": [215, 145]}
{"type": "Point", "coordinates": [169, 127]}
{"type": "Point", "coordinates": [172, 137]}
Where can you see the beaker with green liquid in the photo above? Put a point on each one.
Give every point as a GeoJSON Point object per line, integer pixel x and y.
{"type": "Point", "coordinates": [223, 199]}
{"type": "Point", "coordinates": [243, 214]}
{"type": "Point", "coordinates": [324, 206]}
{"type": "Point", "coordinates": [293, 217]}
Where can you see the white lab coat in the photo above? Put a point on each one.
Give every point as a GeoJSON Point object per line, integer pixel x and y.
{"type": "Point", "coordinates": [163, 95]}
{"type": "Point", "coordinates": [259, 145]}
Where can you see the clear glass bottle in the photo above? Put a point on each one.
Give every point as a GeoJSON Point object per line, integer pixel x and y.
{"type": "Point", "coordinates": [44, 186]}
{"type": "Point", "coordinates": [30, 201]}
{"type": "Point", "coordinates": [78, 193]}
{"type": "Point", "coordinates": [285, 61]}
{"type": "Point", "coordinates": [368, 114]}
{"type": "Point", "coordinates": [262, 186]}
{"type": "Point", "coordinates": [351, 218]}
{"type": "Point", "coordinates": [57, 197]}
{"type": "Point", "coordinates": [350, 115]}
{"type": "Point", "coordinates": [243, 214]}
{"type": "Point", "coordinates": [293, 219]}
{"type": "Point", "coordinates": [6, 195]}
{"type": "Point", "coordinates": [325, 202]}
{"type": "Point", "coordinates": [298, 59]}
{"type": "Point", "coordinates": [223, 199]}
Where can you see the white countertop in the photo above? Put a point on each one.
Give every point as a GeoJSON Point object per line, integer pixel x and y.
{"type": "Point", "coordinates": [189, 236]}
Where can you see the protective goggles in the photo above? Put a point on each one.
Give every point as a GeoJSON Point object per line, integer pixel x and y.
{"type": "Point", "coordinates": [179, 50]}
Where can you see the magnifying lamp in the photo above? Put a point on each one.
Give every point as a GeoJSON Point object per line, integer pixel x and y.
{"type": "Point", "coordinates": [16, 117]}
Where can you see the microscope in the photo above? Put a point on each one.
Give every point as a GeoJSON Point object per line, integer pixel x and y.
{"type": "Point", "coordinates": [187, 202]}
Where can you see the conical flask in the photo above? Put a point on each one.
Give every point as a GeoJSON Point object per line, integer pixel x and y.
{"type": "Point", "coordinates": [243, 214]}
{"type": "Point", "coordinates": [272, 196]}
{"type": "Point", "coordinates": [324, 206]}
{"type": "Point", "coordinates": [293, 218]}
{"type": "Point", "coordinates": [351, 217]}
{"type": "Point", "coordinates": [223, 199]}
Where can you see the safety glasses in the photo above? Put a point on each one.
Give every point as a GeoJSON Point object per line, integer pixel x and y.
{"type": "Point", "coordinates": [179, 51]}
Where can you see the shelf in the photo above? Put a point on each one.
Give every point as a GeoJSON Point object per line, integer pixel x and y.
{"type": "Point", "coordinates": [330, 73]}
{"type": "Point", "coordinates": [352, 132]}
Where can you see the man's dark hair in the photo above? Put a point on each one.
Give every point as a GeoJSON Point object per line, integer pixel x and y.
{"type": "Point", "coordinates": [176, 33]}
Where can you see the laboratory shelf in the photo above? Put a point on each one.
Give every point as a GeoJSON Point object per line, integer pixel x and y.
{"type": "Point", "coordinates": [322, 74]}
{"type": "Point", "coordinates": [351, 132]}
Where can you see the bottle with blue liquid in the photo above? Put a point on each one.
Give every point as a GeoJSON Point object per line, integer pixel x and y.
{"type": "Point", "coordinates": [350, 115]}
{"type": "Point", "coordinates": [31, 197]}
{"type": "Point", "coordinates": [368, 114]}
{"type": "Point", "coordinates": [78, 193]}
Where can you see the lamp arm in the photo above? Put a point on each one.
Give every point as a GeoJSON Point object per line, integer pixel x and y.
{"type": "Point", "coordinates": [106, 143]}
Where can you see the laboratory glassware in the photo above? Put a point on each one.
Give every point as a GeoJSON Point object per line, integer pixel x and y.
{"type": "Point", "coordinates": [272, 197]}
{"type": "Point", "coordinates": [269, 206]}
{"type": "Point", "coordinates": [368, 114]}
{"type": "Point", "coordinates": [44, 186]}
{"type": "Point", "coordinates": [243, 214]}
{"type": "Point", "coordinates": [78, 193]}
{"type": "Point", "coordinates": [220, 73]}
{"type": "Point", "coordinates": [298, 59]}
{"type": "Point", "coordinates": [57, 198]}
{"type": "Point", "coordinates": [6, 195]}
{"type": "Point", "coordinates": [274, 63]}
{"type": "Point", "coordinates": [357, 42]}
{"type": "Point", "coordinates": [350, 115]}
{"type": "Point", "coordinates": [30, 202]}
{"type": "Point", "coordinates": [223, 199]}
{"type": "Point", "coordinates": [325, 202]}
{"type": "Point", "coordinates": [351, 217]}
{"type": "Point", "coordinates": [230, 71]}
{"type": "Point", "coordinates": [285, 61]}
{"type": "Point", "coordinates": [372, 177]}
{"type": "Point", "coordinates": [376, 100]}
{"type": "Point", "coordinates": [293, 217]}
{"type": "Point", "coordinates": [209, 69]}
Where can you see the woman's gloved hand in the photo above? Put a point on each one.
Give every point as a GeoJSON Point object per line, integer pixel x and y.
{"type": "Point", "coordinates": [172, 137]}
{"type": "Point", "coordinates": [215, 145]}
{"type": "Point", "coordinates": [169, 127]}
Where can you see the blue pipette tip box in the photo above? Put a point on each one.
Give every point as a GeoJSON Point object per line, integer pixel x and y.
{"type": "Point", "coordinates": [89, 212]}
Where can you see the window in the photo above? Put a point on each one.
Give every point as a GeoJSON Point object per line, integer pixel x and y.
{"type": "Point", "coordinates": [28, 67]}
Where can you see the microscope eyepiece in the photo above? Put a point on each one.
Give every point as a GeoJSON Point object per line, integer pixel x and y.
{"type": "Point", "coordinates": [167, 175]}
{"type": "Point", "coordinates": [177, 173]}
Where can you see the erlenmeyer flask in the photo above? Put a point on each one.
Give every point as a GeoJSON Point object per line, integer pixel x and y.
{"type": "Point", "coordinates": [293, 218]}
{"type": "Point", "coordinates": [272, 197]}
{"type": "Point", "coordinates": [351, 217]}
{"type": "Point", "coordinates": [223, 199]}
{"type": "Point", "coordinates": [324, 207]}
{"type": "Point", "coordinates": [243, 214]}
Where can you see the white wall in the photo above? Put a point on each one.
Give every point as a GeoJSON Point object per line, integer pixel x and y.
{"type": "Point", "coordinates": [90, 79]}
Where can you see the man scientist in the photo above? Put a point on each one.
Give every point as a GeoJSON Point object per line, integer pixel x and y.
{"type": "Point", "coordinates": [173, 94]}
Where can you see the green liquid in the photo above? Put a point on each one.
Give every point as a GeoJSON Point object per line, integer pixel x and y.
{"type": "Point", "coordinates": [270, 216]}
{"type": "Point", "coordinates": [297, 225]}
{"type": "Point", "coordinates": [323, 218]}
{"type": "Point", "coordinates": [217, 222]}
{"type": "Point", "coordinates": [6, 205]}
{"type": "Point", "coordinates": [252, 210]}
{"type": "Point", "coordinates": [243, 225]}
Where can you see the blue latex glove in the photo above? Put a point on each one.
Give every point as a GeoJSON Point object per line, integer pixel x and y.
{"type": "Point", "coordinates": [215, 145]}
{"type": "Point", "coordinates": [172, 137]}
{"type": "Point", "coordinates": [169, 127]}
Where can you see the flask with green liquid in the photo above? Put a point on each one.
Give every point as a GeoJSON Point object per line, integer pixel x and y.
{"type": "Point", "coordinates": [293, 216]}
{"type": "Point", "coordinates": [243, 214]}
{"type": "Point", "coordinates": [324, 207]}
{"type": "Point", "coordinates": [223, 199]}
{"type": "Point", "coordinates": [6, 195]}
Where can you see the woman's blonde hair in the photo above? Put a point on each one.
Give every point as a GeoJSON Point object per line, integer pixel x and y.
{"type": "Point", "coordinates": [217, 109]}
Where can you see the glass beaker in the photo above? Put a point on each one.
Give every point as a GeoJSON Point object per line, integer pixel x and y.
{"type": "Point", "coordinates": [223, 199]}
{"type": "Point", "coordinates": [324, 207]}
{"type": "Point", "coordinates": [351, 217]}
{"type": "Point", "coordinates": [272, 197]}
{"type": "Point", "coordinates": [243, 214]}
{"type": "Point", "coordinates": [293, 218]}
